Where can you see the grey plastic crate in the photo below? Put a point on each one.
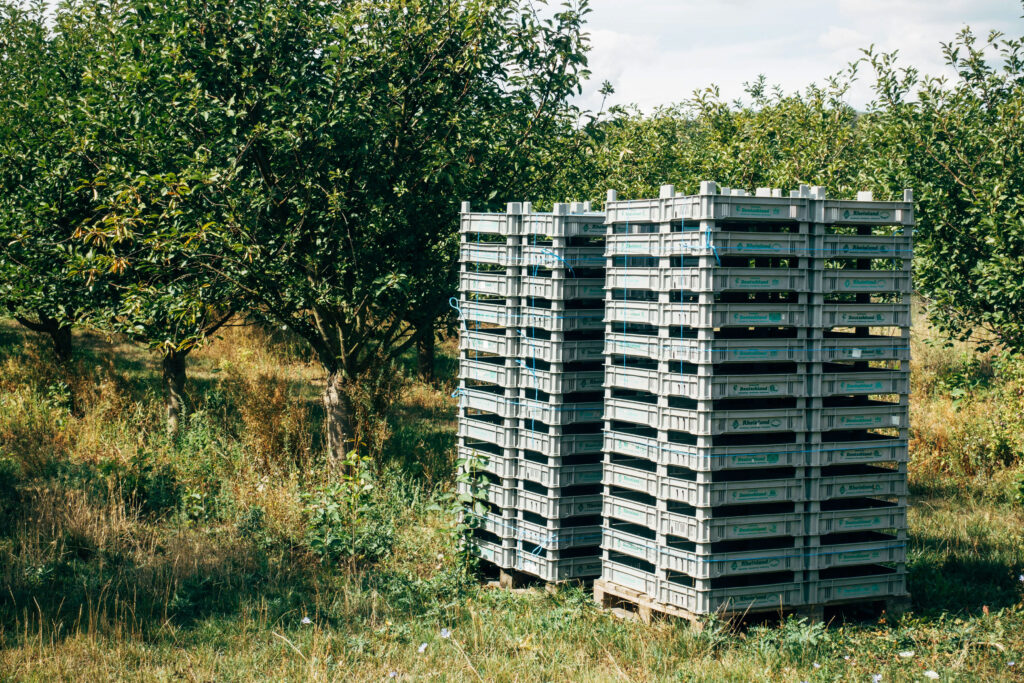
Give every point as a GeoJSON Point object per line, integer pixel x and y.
{"type": "Point", "coordinates": [501, 524]}
{"type": "Point", "coordinates": [709, 458]}
{"type": "Point", "coordinates": [559, 475]}
{"type": "Point", "coordinates": [711, 351]}
{"type": "Point", "coordinates": [849, 212]}
{"type": "Point", "coordinates": [862, 348]}
{"type": "Point", "coordinates": [505, 466]}
{"type": "Point", "coordinates": [561, 538]}
{"type": "Point", "coordinates": [862, 315]}
{"type": "Point", "coordinates": [554, 351]}
{"type": "Point", "coordinates": [494, 254]}
{"type": "Point", "coordinates": [561, 569]}
{"type": "Point", "coordinates": [707, 315]}
{"type": "Point", "coordinates": [630, 577]}
{"type": "Point", "coordinates": [824, 591]}
{"type": "Point", "coordinates": [732, 421]}
{"type": "Point", "coordinates": [629, 511]}
{"type": "Point", "coordinates": [730, 492]}
{"type": "Point", "coordinates": [488, 223]}
{"type": "Point", "coordinates": [731, 600]}
{"type": "Point", "coordinates": [500, 555]}
{"type": "Point", "coordinates": [866, 246]}
{"type": "Point", "coordinates": [484, 400]}
{"type": "Point", "coordinates": [861, 417]}
{"type": "Point", "coordinates": [698, 387]}
{"type": "Point", "coordinates": [713, 566]}
{"type": "Point", "coordinates": [563, 224]}
{"type": "Point", "coordinates": [710, 206]}
{"type": "Point", "coordinates": [869, 519]}
{"type": "Point", "coordinates": [562, 289]}
{"type": "Point", "coordinates": [634, 545]}
{"type": "Point", "coordinates": [563, 414]}
{"type": "Point", "coordinates": [713, 279]}
{"type": "Point", "coordinates": [495, 284]}
{"type": "Point", "coordinates": [498, 344]}
{"type": "Point", "coordinates": [504, 496]}
{"type": "Point", "coordinates": [852, 554]}
{"type": "Point", "coordinates": [498, 435]}
{"type": "Point", "coordinates": [561, 320]}
{"type": "Point", "coordinates": [842, 281]}
{"type": "Point", "coordinates": [859, 383]}
{"type": "Point", "coordinates": [482, 371]}
{"type": "Point", "coordinates": [698, 242]}
{"type": "Point", "coordinates": [494, 314]}
{"type": "Point", "coordinates": [631, 478]}
{"type": "Point", "coordinates": [559, 446]}
{"type": "Point", "coordinates": [559, 506]}
{"type": "Point", "coordinates": [553, 382]}
{"type": "Point", "coordinates": [871, 485]}
{"type": "Point", "coordinates": [731, 528]}
{"type": "Point", "coordinates": [844, 453]}
{"type": "Point", "coordinates": [562, 257]}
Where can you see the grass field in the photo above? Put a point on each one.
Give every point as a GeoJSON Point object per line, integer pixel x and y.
{"type": "Point", "coordinates": [226, 554]}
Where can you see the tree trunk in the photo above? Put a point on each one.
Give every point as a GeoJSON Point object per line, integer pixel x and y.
{"type": "Point", "coordinates": [426, 350]}
{"type": "Point", "coordinates": [336, 419]}
{"type": "Point", "coordinates": [174, 389]}
{"type": "Point", "coordinates": [61, 336]}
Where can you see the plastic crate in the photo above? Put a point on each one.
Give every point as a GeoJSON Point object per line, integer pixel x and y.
{"type": "Point", "coordinates": [498, 435]}
{"type": "Point", "coordinates": [559, 475]}
{"type": "Point", "coordinates": [631, 478]}
{"type": "Point", "coordinates": [492, 403]}
{"type": "Point", "coordinates": [852, 554]}
{"type": "Point", "coordinates": [848, 212]}
{"type": "Point", "coordinates": [501, 524]}
{"type": "Point", "coordinates": [866, 519]}
{"type": "Point", "coordinates": [559, 506]}
{"type": "Point", "coordinates": [559, 446]}
{"type": "Point", "coordinates": [500, 555]}
{"type": "Point", "coordinates": [866, 246]}
{"type": "Point", "coordinates": [560, 538]}
{"type": "Point", "coordinates": [563, 225]}
{"type": "Point", "coordinates": [504, 496]}
{"type": "Point", "coordinates": [861, 417]}
{"type": "Point", "coordinates": [731, 600]}
{"type": "Point", "coordinates": [862, 315]}
{"type": "Point", "coordinates": [562, 257]}
{"type": "Point", "coordinates": [706, 351]}
{"type": "Point", "coordinates": [554, 351]}
{"type": "Point", "coordinates": [730, 492]}
{"type": "Point", "coordinates": [862, 348]}
{"type": "Point", "coordinates": [631, 511]}
{"type": "Point", "coordinates": [706, 458]}
{"type": "Point", "coordinates": [875, 484]}
{"type": "Point", "coordinates": [698, 242]}
{"type": "Point", "coordinates": [859, 383]}
{"type": "Point", "coordinates": [698, 387]}
{"type": "Point", "coordinates": [880, 450]}
{"type": "Point", "coordinates": [707, 315]}
{"type": "Point", "coordinates": [730, 528]}
{"type": "Point", "coordinates": [872, 587]}
{"type": "Point", "coordinates": [498, 344]}
{"type": "Point", "coordinates": [732, 421]}
{"type": "Point", "coordinates": [495, 314]}
{"type": "Point", "coordinates": [729, 563]}
{"type": "Point", "coordinates": [842, 281]}
{"type": "Point", "coordinates": [494, 254]}
{"type": "Point", "coordinates": [562, 289]}
{"type": "Point", "coordinates": [742, 207]}
{"type": "Point", "coordinates": [631, 411]}
{"type": "Point", "coordinates": [555, 414]}
{"type": "Point", "coordinates": [488, 223]}
{"type": "Point", "coordinates": [561, 569]}
{"type": "Point", "coordinates": [482, 371]}
{"type": "Point", "coordinates": [629, 577]}
{"type": "Point", "coordinates": [561, 321]}
{"type": "Point", "coordinates": [504, 466]}
{"type": "Point", "coordinates": [495, 284]}
{"type": "Point", "coordinates": [712, 279]}
{"type": "Point", "coordinates": [552, 382]}
{"type": "Point", "coordinates": [622, 541]}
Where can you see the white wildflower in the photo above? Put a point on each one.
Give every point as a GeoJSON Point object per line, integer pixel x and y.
{"type": "Point", "coordinates": [422, 648]}
{"type": "Point", "coordinates": [306, 621]}
{"type": "Point", "coordinates": [907, 654]}
{"type": "Point", "coordinates": [445, 633]}
{"type": "Point", "coordinates": [931, 674]}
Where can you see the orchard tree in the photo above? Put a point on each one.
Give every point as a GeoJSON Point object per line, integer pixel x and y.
{"type": "Point", "coordinates": [959, 143]}
{"type": "Point", "coordinates": [331, 144]}
{"type": "Point", "coordinates": [43, 160]}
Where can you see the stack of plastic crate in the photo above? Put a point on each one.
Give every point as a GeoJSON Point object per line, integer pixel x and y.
{"type": "Point", "coordinates": [531, 372]}
{"type": "Point", "coordinates": [730, 441]}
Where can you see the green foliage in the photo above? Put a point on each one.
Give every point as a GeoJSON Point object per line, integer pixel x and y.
{"type": "Point", "coordinates": [152, 489]}
{"type": "Point", "coordinates": [344, 519]}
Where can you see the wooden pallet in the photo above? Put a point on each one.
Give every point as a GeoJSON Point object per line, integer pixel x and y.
{"type": "Point", "coordinates": [623, 600]}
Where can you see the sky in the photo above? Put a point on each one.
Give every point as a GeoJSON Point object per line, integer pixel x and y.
{"type": "Point", "coordinates": [660, 51]}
